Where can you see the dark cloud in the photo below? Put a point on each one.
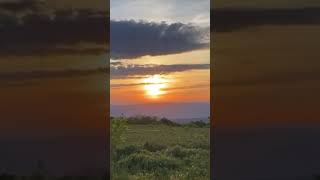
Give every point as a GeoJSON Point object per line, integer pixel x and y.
{"type": "Point", "coordinates": [142, 70]}
{"type": "Point", "coordinates": [131, 39]}
{"type": "Point", "coordinates": [226, 20]}
{"type": "Point", "coordinates": [21, 5]}
{"type": "Point", "coordinates": [10, 77]}
{"type": "Point", "coordinates": [59, 32]}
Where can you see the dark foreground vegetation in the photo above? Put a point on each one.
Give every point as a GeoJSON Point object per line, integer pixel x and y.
{"type": "Point", "coordinates": [161, 121]}
{"type": "Point", "coordinates": [8, 176]}
{"type": "Point", "coordinates": [42, 174]}
{"type": "Point", "coordinates": [148, 148]}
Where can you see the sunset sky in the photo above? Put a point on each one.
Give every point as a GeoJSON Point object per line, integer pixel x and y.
{"type": "Point", "coordinates": [53, 84]}
{"type": "Point", "coordinates": [160, 55]}
{"type": "Point", "coordinates": [53, 65]}
{"type": "Point", "coordinates": [266, 75]}
{"type": "Point", "coordinates": [265, 62]}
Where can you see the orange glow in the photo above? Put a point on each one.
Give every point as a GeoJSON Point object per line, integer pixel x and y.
{"type": "Point", "coordinates": [177, 86]}
{"type": "Point", "coordinates": [154, 86]}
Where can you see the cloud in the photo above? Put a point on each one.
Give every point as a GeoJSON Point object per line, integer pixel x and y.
{"type": "Point", "coordinates": [142, 70]}
{"type": "Point", "coordinates": [115, 63]}
{"type": "Point", "coordinates": [61, 32]}
{"type": "Point", "coordinates": [41, 74]}
{"type": "Point", "coordinates": [196, 86]}
{"type": "Point", "coordinates": [270, 79]}
{"type": "Point", "coordinates": [127, 85]}
{"type": "Point", "coordinates": [226, 20]}
{"type": "Point", "coordinates": [132, 39]}
{"type": "Point", "coordinates": [21, 5]}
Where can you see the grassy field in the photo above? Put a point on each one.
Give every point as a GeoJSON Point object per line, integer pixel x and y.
{"type": "Point", "coordinates": [166, 135]}
{"type": "Point", "coordinates": [161, 152]}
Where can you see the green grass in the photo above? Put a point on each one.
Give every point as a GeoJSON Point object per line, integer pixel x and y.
{"type": "Point", "coordinates": [162, 152]}
{"type": "Point", "coordinates": [165, 135]}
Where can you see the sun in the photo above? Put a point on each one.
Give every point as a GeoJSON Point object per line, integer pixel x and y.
{"type": "Point", "coordinates": [154, 86]}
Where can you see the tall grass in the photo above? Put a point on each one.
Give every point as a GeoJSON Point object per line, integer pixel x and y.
{"type": "Point", "coordinates": [145, 153]}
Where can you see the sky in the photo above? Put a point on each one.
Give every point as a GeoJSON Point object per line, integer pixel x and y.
{"type": "Point", "coordinates": [53, 84]}
{"type": "Point", "coordinates": [50, 48]}
{"type": "Point", "coordinates": [160, 55]}
{"type": "Point", "coordinates": [265, 68]}
{"type": "Point", "coordinates": [265, 85]}
{"type": "Point", "coordinates": [169, 11]}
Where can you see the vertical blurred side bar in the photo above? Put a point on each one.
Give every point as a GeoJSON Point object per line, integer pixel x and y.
{"type": "Point", "coordinates": [108, 95]}
{"type": "Point", "coordinates": [211, 95]}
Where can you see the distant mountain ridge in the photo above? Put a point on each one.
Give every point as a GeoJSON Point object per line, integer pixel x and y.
{"type": "Point", "coordinates": [174, 111]}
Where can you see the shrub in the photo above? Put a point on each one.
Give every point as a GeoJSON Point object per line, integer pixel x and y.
{"type": "Point", "coordinates": [198, 124]}
{"type": "Point", "coordinates": [145, 161]}
{"type": "Point", "coordinates": [143, 120]}
{"type": "Point", "coordinates": [184, 153]}
{"type": "Point", "coordinates": [201, 145]}
{"type": "Point", "coordinates": [166, 121]}
{"type": "Point", "coordinates": [123, 152]}
{"type": "Point", "coordinates": [153, 147]}
{"type": "Point", "coordinates": [177, 152]}
{"type": "Point", "coordinates": [118, 128]}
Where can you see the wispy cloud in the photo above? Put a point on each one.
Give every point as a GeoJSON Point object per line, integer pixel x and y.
{"type": "Point", "coordinates": [142, 70]}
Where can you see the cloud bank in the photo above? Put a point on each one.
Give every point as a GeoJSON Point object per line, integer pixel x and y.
{"type": "Point", "coordinates": [132, 39]}
{"type": "Point", "coordinates": [232, 19]}
{"type": "Point", "coordinates": [41, 74]}
{"type": "Point", "coordinates": [66, 31]}
{"type": "Point", "coordinates": [21, 5]}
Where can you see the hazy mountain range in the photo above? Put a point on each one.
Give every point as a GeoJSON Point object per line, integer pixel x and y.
{"type": "Point", "coordinates": [176, 111]}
